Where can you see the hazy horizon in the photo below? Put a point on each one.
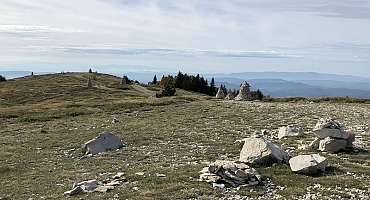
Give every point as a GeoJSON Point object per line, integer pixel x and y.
{"type": "Point", "coordinates": [188, 35]}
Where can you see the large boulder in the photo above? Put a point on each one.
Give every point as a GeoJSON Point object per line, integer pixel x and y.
{"type": "Point", "coordinates": [308, 164]}
{"type": "Point", "coordinates": [220, 93]}
{"type": "Point", "coordinates": [257, 150]}
{"type": "Point", "coordinates": [231, 173]}
{"type": "Point", "coordinates": [104, 142]}
{"type": "Point", "coordinates": [244, 92]}
{"type": "Point", "coordinates": [333, 145]}
{"type": "Point", "coordinates": [329, 128]}
{"type": "Point", "coordinates": [290, 131]}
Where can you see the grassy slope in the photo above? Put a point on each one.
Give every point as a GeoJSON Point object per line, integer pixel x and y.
{"type": "Point", "coordinates": [41, 134]}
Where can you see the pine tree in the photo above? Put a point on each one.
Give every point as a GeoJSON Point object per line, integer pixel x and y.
{"type": "Point", "coordinates": [90, 71]}
{"type": "Point", "coordinates": [168, 86]}
{"type": "Point", "coordinates": [212, 89]}
{"type": "Point", "coordinates": [2, 78]}
{"type": "Point", "coordinates": [154, 80]}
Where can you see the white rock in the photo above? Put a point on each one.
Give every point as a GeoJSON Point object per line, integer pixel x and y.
{"type": "Point", "coordinates": [104, 142]}
{"type": "Point", "coordinates": [329, 128]}
{"type": "Point", "coordinates": [290, 131]}
{"type": "Point", "coordinates": [308, 164]}
{"type": "Point", "coordinates": [140, 173]}
{"type": "Point", "coordinates": [75, 191]}
{"type": "Point", "coordinates": [333, 145]}
{"type": "Point", "coordinates": [88, 186]}
{"type": "Point", "coordinates": [257, 150]}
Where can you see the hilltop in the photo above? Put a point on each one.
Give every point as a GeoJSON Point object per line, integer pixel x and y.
{"type": "Point", "coordinates": [45, 119]}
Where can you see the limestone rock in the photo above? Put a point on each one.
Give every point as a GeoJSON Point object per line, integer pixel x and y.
{"type": "Point", "coordinates": [257, 150]}
{"type": "Point", "coordinates": [104, 142]}
{"type": "Point", "coordinates": [244, 92]}
{"type": "Point", "coordinates": [333, 145]}
{"type": "Point", "coordinates": [329, 128]}
{"type": "Point", "coordinates": [220, 93]}
{"type": "Point", "coordinates": [231, 173]}
{"type": "Point", "coordinates": [308, 164]}
{"type": "Point", "coordinates": [75, 191]}
{"type": "Point", "coordinates": [290, 131]}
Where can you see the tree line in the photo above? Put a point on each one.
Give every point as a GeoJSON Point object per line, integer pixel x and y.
{"type": "Point", "coordinates": [183, 81]}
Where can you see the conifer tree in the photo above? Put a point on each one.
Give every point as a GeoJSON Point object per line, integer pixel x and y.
{"type": "Point", "coordinates": [2, 78]}
{"type": "Point", "coordinates": [154, 80]}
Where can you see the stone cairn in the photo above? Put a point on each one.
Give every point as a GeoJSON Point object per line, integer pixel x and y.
{"type": "Point", "coordinates": [235, 174]}
{"type": "Point", "coordinates": [230, 95]}
{"type": "Point", "coordinates": [244, 92]}
{"type": "Point", "coordinates": [331, 137]}
{"type": "Point", "coordinates": [220, 93]}
{"type": "Point", "coordinates": [124, 84]}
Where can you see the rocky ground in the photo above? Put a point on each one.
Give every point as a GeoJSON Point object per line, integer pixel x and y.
{"type": "Point", "coordinates": [167, 145]}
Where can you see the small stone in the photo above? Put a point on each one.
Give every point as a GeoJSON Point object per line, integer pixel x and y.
{"type": "Point", "coordinates": [160, 175]}
{"type": "Point", "coordinates": [140, 173]}
{"type": "Point", "coordinates": [216, 185]}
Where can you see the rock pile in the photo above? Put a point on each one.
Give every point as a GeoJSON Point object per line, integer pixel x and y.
{"type": "Point", "coordinates": [96, 186]}
{"type": "Point", "coordinates": [104, 142]}
{"type": "Point", "coordinates": [220, 93]}
{"type": "Point", "coordinates": [230, 95]}
{"type": "Point", "coordinates": [308, 164]}
{"type": "Point", "coordinates": [230, 173]}
{"type": "Point", "coordinates": [258, 150]}
{"type": "Point", "coordinates": [331, 137]}
{"type": "Point", "coordinates": [244, 92]}
{"type": "Point", "coordinates": [290, 131]}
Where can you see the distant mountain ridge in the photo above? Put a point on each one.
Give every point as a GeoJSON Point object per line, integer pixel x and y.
{"type": "Point", "coordinates": [302, 84]}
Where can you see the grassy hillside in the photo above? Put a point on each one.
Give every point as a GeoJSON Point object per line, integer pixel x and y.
{"type": "Point", "coordinates": [44, 120]}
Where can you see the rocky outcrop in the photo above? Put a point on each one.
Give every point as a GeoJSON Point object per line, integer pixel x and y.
{"type": "Point", "coordinates": [308, 164]}
{"type": "Point", "coordinates": [257, 150]}
{"type": "Point", "coordinates": [230, 173]}
{"type": "Point", "coordinates": [331, 136]}
{"type": "Point", "coordinates": [220, 93]}
{"type": "Point", "coordinates": [104, 142]}
{"type": "Point", "coordinates": [244, 92]}
{"type": "Point", "coordinates": [290, 131]}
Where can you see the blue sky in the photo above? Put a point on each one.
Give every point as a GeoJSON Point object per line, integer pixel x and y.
{"type": "Point", "coordinates": [189, 35]}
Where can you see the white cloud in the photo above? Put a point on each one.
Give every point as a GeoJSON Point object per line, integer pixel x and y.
{"type": "Point", "coordinates": [268, 33]}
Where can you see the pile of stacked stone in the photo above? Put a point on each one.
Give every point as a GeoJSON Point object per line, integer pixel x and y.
{"type": "Point", "coordinates": [97, 186]}
{"type": "Point", "coordinates": [235, 174]}
{"type": "Point", "coordinates": [230, 95]}
{"type": "Point", "coordinates": [331, 136]}
{"type": "Point", "coordinates": [220, 93]}
{"type": "Point", "coordinates": [244, 92]}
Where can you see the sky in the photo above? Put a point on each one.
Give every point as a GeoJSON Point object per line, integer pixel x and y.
{"type": "Point", "coordinates": [202, 36]}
